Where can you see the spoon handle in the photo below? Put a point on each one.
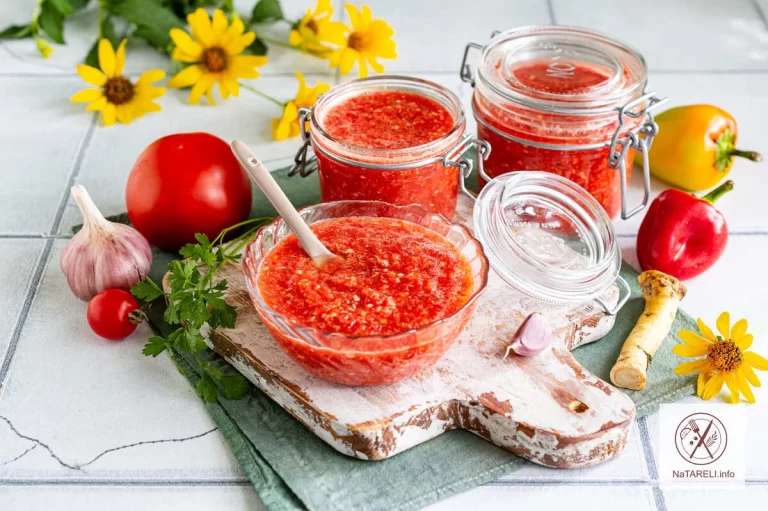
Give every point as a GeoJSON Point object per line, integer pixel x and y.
{"type": "Point", "coordinates": [259, 173]}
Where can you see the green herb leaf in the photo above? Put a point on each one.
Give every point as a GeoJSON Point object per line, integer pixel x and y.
{"type": "Point", "coordinates": [207, 389]}
{"type": "Point", "coordinates": [17, 32]}
{"type": "Point", "coordinates": [52, 22]}
{"type": "Point", "coordinates": [257, 47]}
{"type": "Point", "coordinates": [266, 10]}
{"type": "Point", "coordinates": [153, 21]}
{"type": "Point", "coordinates": [155, 345]}
{"type": "Point", "coordinates": [147, 290]}
{"type": "Point", "coordinates": [63, 6]}
{"type": "Point", "coordinates": [234, 386]}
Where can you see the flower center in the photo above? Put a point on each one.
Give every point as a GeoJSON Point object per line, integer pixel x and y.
{"type": "Point", "coordinates": [118, 90]}
{"type": "Point", "coordinates": [724, 356]}
{"type": "Point", "coordinates": [214, 59]}
{"type": "Point", "coordinates": [356, 41]}
{"type": "Point", "coordinates": [312, 25]}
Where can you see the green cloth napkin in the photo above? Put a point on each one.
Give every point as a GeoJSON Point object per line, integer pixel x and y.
{"type": "Point", "coordinates": [291, 468]}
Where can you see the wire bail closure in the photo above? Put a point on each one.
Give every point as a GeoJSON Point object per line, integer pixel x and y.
{"type": "Point", "coordinates": [639, 138]}
{"type": "Point", "coordinates": [304, 163]}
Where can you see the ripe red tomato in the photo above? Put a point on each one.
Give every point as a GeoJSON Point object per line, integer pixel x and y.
{"type": "Point", "coordinates": [183, 184]}
{"type": "Point", "coordinates": [108, 314]}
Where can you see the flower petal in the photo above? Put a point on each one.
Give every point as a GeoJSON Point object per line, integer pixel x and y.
{"type": "Point", "coordinates": [749, 373]}
{"type": "Point", "coordinates": [362, 69]}
{"type": "Point", "coordinates": [230, 84]}
{"type": "Point", "coordinates": [149, 77]}
{"type": "Point", "coordinates": [739, 330]}
{"type": "Point", "coordinates": [107, 58]}
{"type": "Point", "coordinates": [693, 339]}
{"type": "Point", "coordinates": [713, 387]}
{"type": "Point", "coordinates": [706, 332]}
{"type": "Point", "coordinates": [238, 44]}
{"type": "Point", "coordinates": [701, 381]}
{"type": "Point", "coordinates": [120, 58]}
{"type": "Point", "coordinates": [186, 44]}
{"type": "Point", "coordinates": [219, 24]}
{"type": "Point", "coordinates": [756, 361]}
{"type": "Point", "coordinates": [202, 28]}
{"type": "Point", "coordinates": [744, 386]}
{"type": "Point", "coordinates": [109, 114]}
{"type": "Point", "coordinates": [86, 96]}
{"type": "Point", "coordinates": [124, 114]}
{"type": "Point", "coordinates": [91, 75]}
{"type": "Point", "coordinates": [745, 342]}
{"type": "Point", "coordinates": [731, 380]}
{"type": "Point", "coordinates": [203, 86]}
{"type": "Point", "coordinates": [347, 60]}
{"type": "Point", "coordinates": [688, 351]}
{"type": "Point", "coordinates": [354, 16]}
{"type": "Point", "coordinates": [691, 367]}
{"type": "Point", "coordinates": [724, 324]}
{"type": "Point", "coordinates": [185, 78]}
{"type": "Point", "coordinates": [98, 105]}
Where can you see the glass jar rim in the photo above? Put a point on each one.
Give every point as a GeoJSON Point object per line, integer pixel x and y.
{"type": "Point", "coordinates": [519, 43]}
{"type": "Point", "coordinates": [569, 207]}
{"type": "Point", "coordinates": [425, 88]}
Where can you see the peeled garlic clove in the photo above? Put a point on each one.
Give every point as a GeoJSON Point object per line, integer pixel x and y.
{"type": "Point", "coordinates": [533, 336]}
{"type": "Point", "coordinates": [104, 254]}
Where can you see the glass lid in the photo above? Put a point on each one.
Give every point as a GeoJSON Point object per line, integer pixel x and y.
{"type": "Point", "coordinates": [547, 237]}
{"type": "Point", "coordinates": [562, 67]}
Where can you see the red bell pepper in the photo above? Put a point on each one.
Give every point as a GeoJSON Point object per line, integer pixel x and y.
{"type": "Point", "coordinates": [683, 235]}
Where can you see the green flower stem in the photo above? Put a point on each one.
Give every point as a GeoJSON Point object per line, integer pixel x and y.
{"type": "Point", "coordinates": [263, 95]}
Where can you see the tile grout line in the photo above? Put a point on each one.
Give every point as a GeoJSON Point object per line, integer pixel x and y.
{"type": "Point", "coordinates": [551, 12]}
{"type": "Point", "coordinates": [650, 463]}
{"type": "Point", "coordinates": [760, 12]}
{"type": "Point", "coordinates": [42, 262]}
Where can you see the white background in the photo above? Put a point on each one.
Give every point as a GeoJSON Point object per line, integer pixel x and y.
{"type": "Point", "coordinates": [77, 395]}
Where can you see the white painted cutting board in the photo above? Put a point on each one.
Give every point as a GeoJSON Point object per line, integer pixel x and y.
{"type": "Point", "coordinates": [545, 408]}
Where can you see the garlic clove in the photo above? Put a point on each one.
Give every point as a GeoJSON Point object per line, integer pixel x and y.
{"type": "Point", "coordinates": [533, 336]}
{"type": "Point", "coordinates": [104, 254]}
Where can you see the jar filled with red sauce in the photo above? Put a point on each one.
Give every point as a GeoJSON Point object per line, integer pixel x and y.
{"type": "Point", "coordinates": [386, 139]}
{"type": "Point", "coordinates": [554, 99]}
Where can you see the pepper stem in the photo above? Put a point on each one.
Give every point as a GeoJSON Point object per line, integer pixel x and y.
{"type": "Point", "coordinates": [718, 192]}
{"type": "Point", "coordinates": [750, 155]}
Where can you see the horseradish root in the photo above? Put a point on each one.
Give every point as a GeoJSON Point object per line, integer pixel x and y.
{"type": "Point", "coordinates": [662, 295]}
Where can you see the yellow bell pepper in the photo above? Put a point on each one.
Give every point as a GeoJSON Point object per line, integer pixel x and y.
{"type": "Point", "coordinates": [695, 147]}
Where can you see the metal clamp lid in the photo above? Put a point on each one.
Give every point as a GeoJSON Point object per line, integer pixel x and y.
{"type": "Point", "coordinates": [304, 164]}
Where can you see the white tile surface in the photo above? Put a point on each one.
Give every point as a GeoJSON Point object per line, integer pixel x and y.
{"type": "Point", "coordinates": [580, 498]}
{"type": "Point", "coordinates": [38, 154]}
{"type": "Point", "coordinates": [182, 498]}
{"type": "Point", "coordinates": [753, 497]}
{"type": "Point", "coordinates": [678, 34]}
{"type": "Point", "coordinates": [18, 260]}
{"type": "Point", "coordinates": [81, 395]}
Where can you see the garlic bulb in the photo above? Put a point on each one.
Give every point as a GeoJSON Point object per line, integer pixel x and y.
{"type": "Point", "coordinates": [533, 336]}
{"type": "Point", "coordinates": [103, 255]}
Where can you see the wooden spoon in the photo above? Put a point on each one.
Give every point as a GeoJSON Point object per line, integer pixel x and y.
{"type": "Point", "coordinates": [309, 242]}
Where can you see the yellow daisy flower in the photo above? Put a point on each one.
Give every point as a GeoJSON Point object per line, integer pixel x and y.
{"type": "Point", "coordinates": [214, 55]}
{"type": "Point", "coordinates": [117, 98]}
{"type": "Point", "coordinates": [315, 29]}
{"type": "Point", "coordinates": [368, 39]}
{"type": "Point", "coordinates": [288, 126]}
{"type": "Point", "coordinates": [726, 362]}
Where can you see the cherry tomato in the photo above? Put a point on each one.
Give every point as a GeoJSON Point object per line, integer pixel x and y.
{"type": "Point", "coordinates": [108, 314]}
{"type": "Point", "coordinates": [183, 184]}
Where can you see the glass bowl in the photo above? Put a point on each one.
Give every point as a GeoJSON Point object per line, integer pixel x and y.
{"type": "Point", "coordinates": [366, 360]}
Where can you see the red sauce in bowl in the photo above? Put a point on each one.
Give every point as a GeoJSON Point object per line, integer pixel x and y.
{"type": "Point", "coordinates": [384, 128]}
{"type": "Point", "coordinates": [392, 306]}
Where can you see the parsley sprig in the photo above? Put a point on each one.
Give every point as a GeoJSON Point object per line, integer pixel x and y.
{"type": "Point", "coordinates": [195, 299]}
